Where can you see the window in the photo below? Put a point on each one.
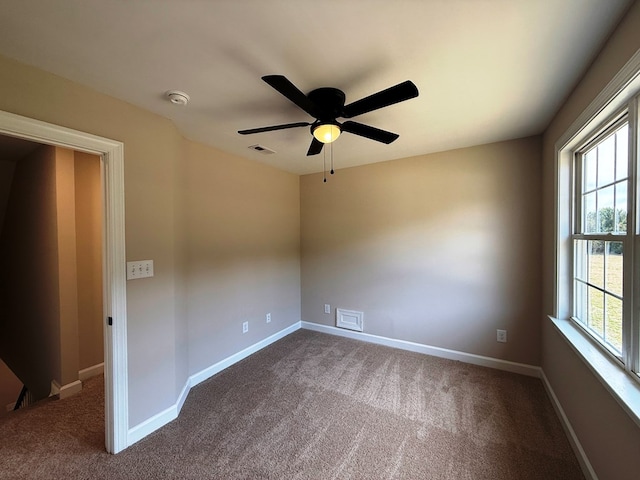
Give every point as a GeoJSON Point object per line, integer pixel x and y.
{"type": "Point", "coordinates": [600, 236]}
{"type": "Point", "coordinates": [596, 306]}
{"type": "Point", "coordinates": [603, 248]}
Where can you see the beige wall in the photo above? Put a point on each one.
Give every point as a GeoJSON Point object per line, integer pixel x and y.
{"type": "Point", "coordinates": [152, 153]}
{"type": "Point", "coordinates": [174, 328]}
{"type": "Point", "coordinates": [440, 249]}
{"type": "Point", "coordinates": [608, 435]}
{"type": "Point", "coordinates": [243, 231]}
{"type": "Point", "coordinates": [88, 209]}
{"type": "Point", "coordinates": [30, 340]}
{"type": "Point", "coordinates": [67, 270]}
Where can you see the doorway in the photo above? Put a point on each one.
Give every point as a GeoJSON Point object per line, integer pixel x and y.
{"type": "Point", "coordinates": [51, 292]}
{"type": "Point", "coordinates": [113, 258]}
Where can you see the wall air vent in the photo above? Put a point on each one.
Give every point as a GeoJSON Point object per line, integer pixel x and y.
{"type": "Point", "coordinates": [262, 149]}
{"type": "Point", "coordinates": [349, 319]}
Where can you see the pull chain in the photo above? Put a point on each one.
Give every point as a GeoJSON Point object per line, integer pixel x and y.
{"type": "Point", "coordinates": [331, 144]}
{"type": "Point", "coordinates": [324, 165]}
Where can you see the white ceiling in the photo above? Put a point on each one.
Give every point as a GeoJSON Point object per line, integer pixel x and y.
{"type": "Point", "coordinates": [487, 70]}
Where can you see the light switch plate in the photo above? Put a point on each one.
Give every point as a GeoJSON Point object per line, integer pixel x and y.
{"type": "Point", "coordinates": [139, 269]}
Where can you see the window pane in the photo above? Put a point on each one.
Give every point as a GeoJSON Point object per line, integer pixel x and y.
{"type": "Point", "coordinates": [590, 167]}
{"type": "Point", "coordinates": [622, 152]}
{"type": "Point", "coordinates": [613, 268]}
{"type": "Point", "coordinates": [606, 161]}
{"type": "Point", "coordinates": [581, 265]}
{"type": "Point", "coordinates": [605, 191]}
{"type": "Point", "coordinates": [621, 207]}
{"type": "Point", "coordinates": [595, 321]}
{"type": "Point", "coordinates": [613, 323]}
{"type": "Point", "coordinates": [589, 219]}
{"type": "Point", "coordinates": [595, 252]}
{"type": "Point", "coordinates": [580, 300]}
{"type": "Point", "coordinates": [606, 218]}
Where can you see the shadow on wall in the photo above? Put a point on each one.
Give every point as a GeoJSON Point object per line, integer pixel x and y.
{"type": "Point", "coordinates": [440, 249]}
{"type": "Point", "coordinates": [51, 269]}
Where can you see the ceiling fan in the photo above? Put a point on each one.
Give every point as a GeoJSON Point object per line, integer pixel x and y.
{"type": "Point", "coordinates": [326, 105]}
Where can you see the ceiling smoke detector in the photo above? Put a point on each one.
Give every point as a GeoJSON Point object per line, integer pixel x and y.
{"type": "Point", "coordinates": [178, 98]}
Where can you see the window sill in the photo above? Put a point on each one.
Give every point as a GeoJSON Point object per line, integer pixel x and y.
{"type": "Point", "coordinates": [615, 379]}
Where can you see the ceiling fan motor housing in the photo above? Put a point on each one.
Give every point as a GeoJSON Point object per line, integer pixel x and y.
{"type": "Point", "coordinates": [329, 103]}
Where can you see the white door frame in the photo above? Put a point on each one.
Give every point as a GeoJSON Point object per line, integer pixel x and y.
{"type": "Point", "coordinates": [113, 259]}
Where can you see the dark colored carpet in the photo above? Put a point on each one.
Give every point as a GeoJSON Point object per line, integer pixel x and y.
{"type": "Point", "coordinates": [312, 406]}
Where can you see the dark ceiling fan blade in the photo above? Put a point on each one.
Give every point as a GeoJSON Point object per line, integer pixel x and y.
{"type": "Point", "coordinates": [273, 127]}
{"type": "Point", "coordinates": [316, 147]}
{"type": "Point", "coordinates": [398, 93]}
{"type": "Point", "coordinates": [293, 93]}
{"type": "Point", "coordinates": [369, 132]}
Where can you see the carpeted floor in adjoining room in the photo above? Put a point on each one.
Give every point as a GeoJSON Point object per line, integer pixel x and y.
{"type": "Point", "coordinates": [312, 406]}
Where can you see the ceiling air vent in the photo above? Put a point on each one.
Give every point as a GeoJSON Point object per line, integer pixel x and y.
{"type": "Point", "coordinates": [262, 149]}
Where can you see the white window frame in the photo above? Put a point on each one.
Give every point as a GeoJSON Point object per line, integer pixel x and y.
{"type": "Point", "coordinates": [623, 92]}
{"type": "Point", "coordinates": [596, 136]}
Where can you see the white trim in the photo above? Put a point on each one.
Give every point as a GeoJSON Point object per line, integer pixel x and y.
{"type": "Point", "coordinates": [66, 390]}
{"type": "Point", "coordinates": [55, 388]}
{"type": "Point", "coordinates": [90, 372]}
{"type": "Point", "coordinates": [115, 305]}
{"type": "Point", "coordinates": [521, 368]}
{"type": "Point", "coordinates": [159, 420]}
{"type": "Point", "coordinates": [70, 389]}
{"type": "Point", "coordinates": [152, 424]}
{"type": "Point", "coordinates": [208, 372]}
{"type": "Point", "coordinates": [183, 396]}
{"type": "Point", "coordinates": [583, 460]}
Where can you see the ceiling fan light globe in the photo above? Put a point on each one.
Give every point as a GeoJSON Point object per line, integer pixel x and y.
{"type": "Point", "coordinates": [326, 132]}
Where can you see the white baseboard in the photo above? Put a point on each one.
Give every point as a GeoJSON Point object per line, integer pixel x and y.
{"type": "Point", "coordinates": [152, 424]}
{"type": "Point", "coordinates": [183, 396]}
{"type": "Point", "coordinates": [208, 372]}
{"type": "Point", "coordinates": [521, 368]}
{"type": "Point", "coordinates": [159, 420]}
{"type": "Point", "coordinates": [585, 465]}
{"type": "Point", "coordinates": [65, 391]}
{"type": "Point", "coordinates": [72, 388]}
{"type": "Point", "coordinates": [87, 373]}
{"type": "Point", "coordinates": [55, 388]}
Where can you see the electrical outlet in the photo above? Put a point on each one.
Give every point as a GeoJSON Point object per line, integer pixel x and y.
{"type": "Point", "coordinates": [501, 336]}
{"type": "Point", "coordinates": [139, 269]}
{"type": "Point", "coordinates": [268, 317]}
{"type": "Point", "coordinates": [245, 327]}
{"type": "Point", "coordinates": [327, 308]}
